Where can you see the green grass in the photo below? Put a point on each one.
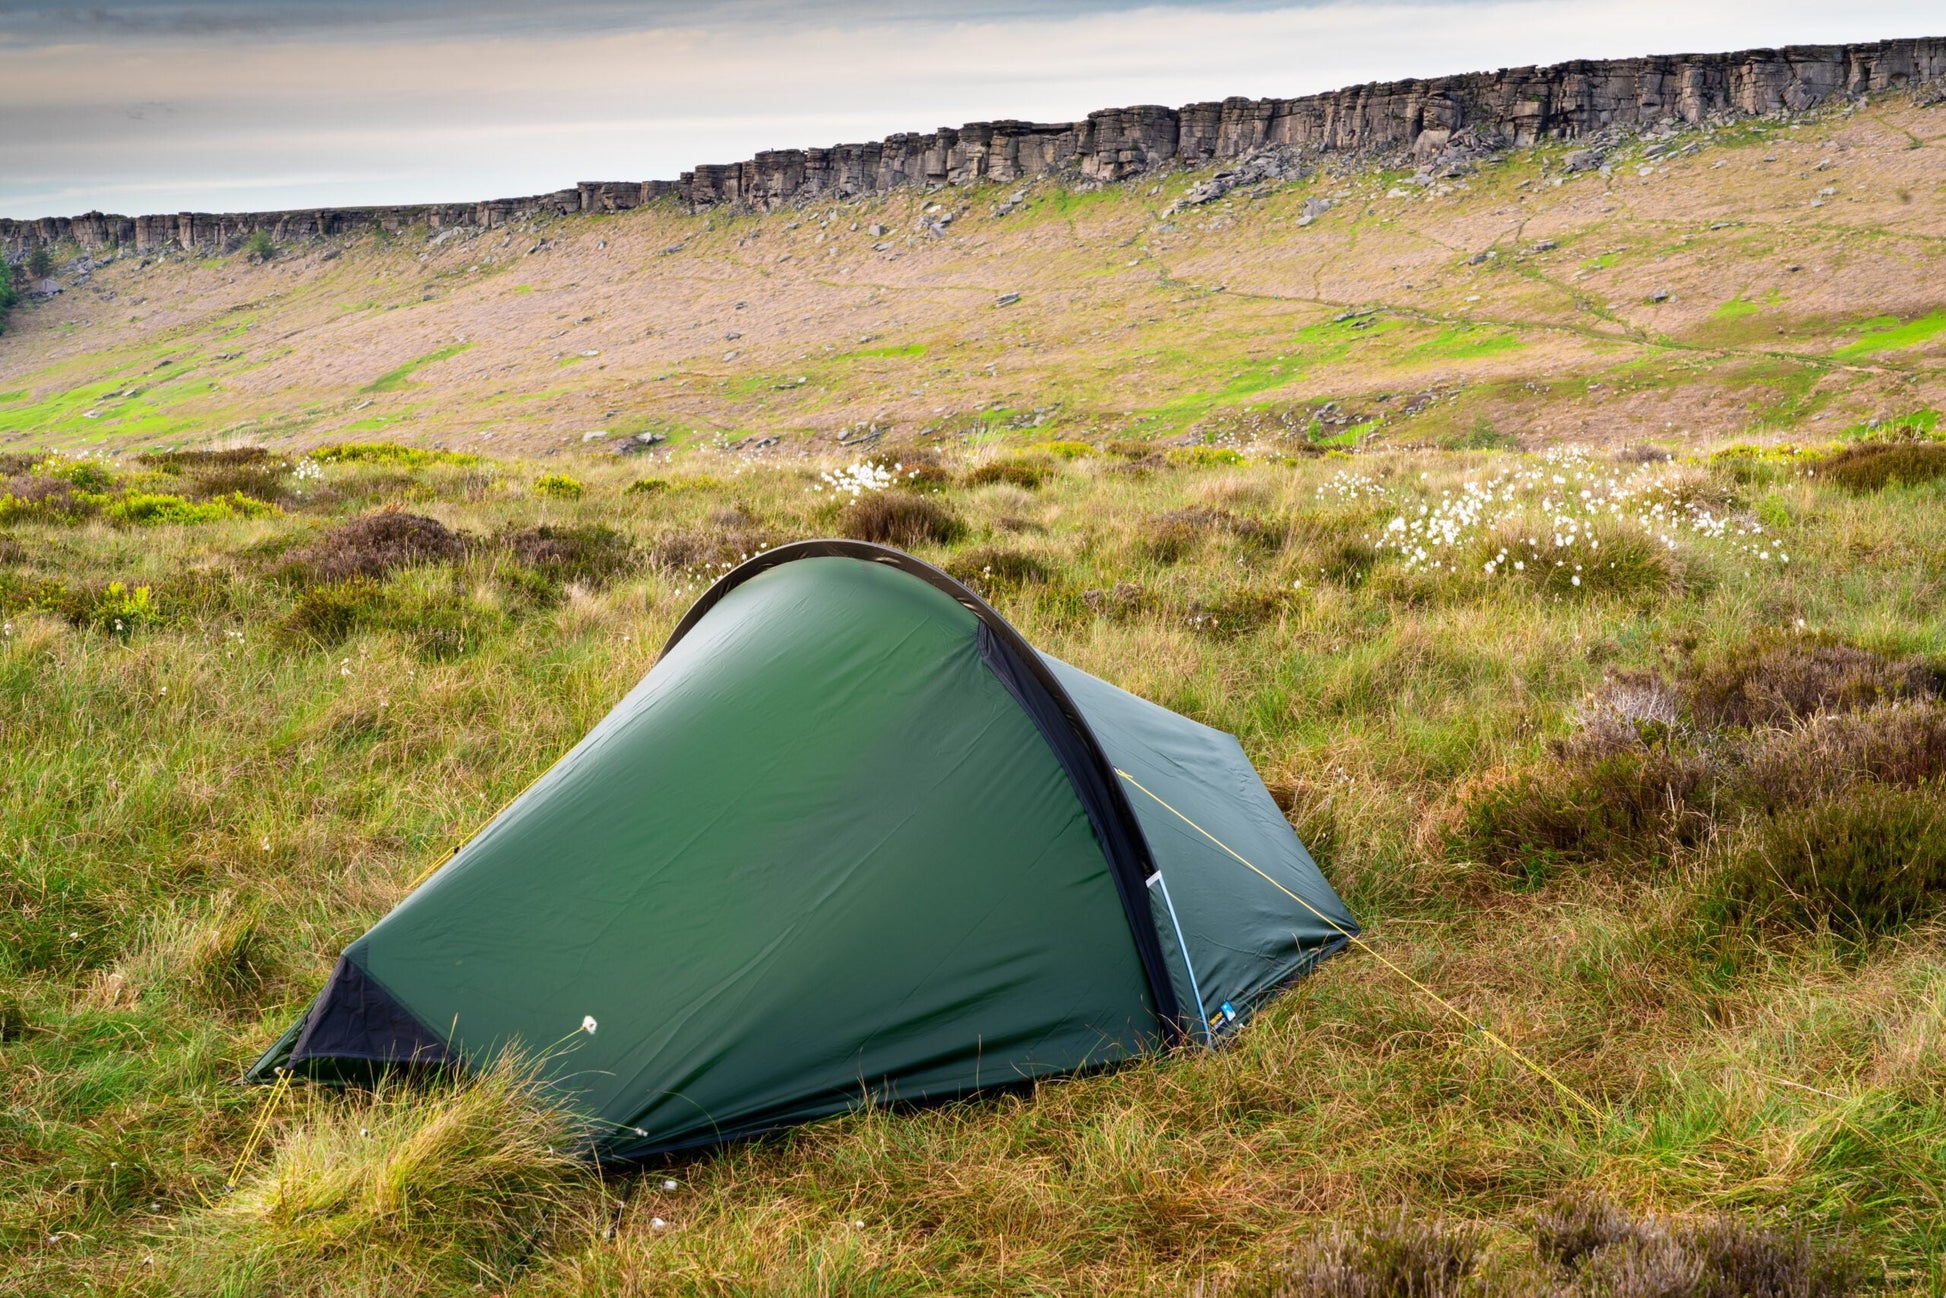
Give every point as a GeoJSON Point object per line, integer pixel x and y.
{"type": "Point", "coordinates": [1464, 342]}
{"type": "Point", "coordinates": [393, 380]}
{"type": "Point", "coordinates": [1887, 333]}
{"type": "Point", "coordinates": [203, 807]}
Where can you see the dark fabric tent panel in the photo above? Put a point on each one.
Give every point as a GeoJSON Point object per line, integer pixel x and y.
{"type": "Point", "coordinates": [819, 851]}
{"type": "Point", "coordinates": [1243, 938]}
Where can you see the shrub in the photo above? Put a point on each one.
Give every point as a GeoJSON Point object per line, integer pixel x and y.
{"type": "Point", "coordinates": [1236, 612]}
{"type": "Point", "coordinates": [148, 509]}
{"type": "Point", "coordinates": [559, 486]}
{"type": "Point", "coordinates": [325, 615]}
{"type": "Point", "coordinates": [1863, 863]}
{"type": "Point", "coordinates": [252, 471]}
{"type": "Point", "coordinates": [1120, 602]}
{"type": "Point", "coordinates": [898, 518]}
{"type": "Point", "coordinates": [260, 246]}
{"type": "Point", "coordinates": [83, 474]}
{"type": "Point", "coordinates": [1174, 536]}
{"type": "Point", "coordinates": [1601, 1250]}
{"type": "Point", "coordinates": [390, 453]}
{"type": "Point", "coordinates": [119, 610]}
{"type": "Point", "coordinates": [728, 537]}
{"type": "Point", "coordinates": [1768, 681]}
{"type": "Point", "coordinates": [1874, 466]}
{"type": "Point", "coordinates": [411, 1188]}
{"type": "Point", "coordinates": [591, 556]}
{"type": "Point", "coordinates": [377, 544]}
{"type": "Point", "coordinates": [35, 497]}
{"type": "Point", "coordinates": [1205, 457]}
{"type": "Point", "coordinates": [995, 567]}
{"type": "Point", "coordinates": [1896, 743]}
{"type": "Point", "coordinates": [1013, 470]}
{"type": "Point", "coordinates": [1407, 1257]}
{"type": "Point", "coordinates": [1063, 450]}
{"type": "Point", "coordinates": [1171, 537]}
{"type": "Point", "coordinates": [646, 487]}
{"type": "Point", "coordinates": [1645, 801]}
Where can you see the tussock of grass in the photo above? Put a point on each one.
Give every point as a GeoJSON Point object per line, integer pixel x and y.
{"type": "Point", "coordinates": [409, 1189]}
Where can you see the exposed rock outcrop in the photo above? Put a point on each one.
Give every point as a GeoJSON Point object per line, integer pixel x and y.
{"type": "Point", "coordinates": [1441, 123]}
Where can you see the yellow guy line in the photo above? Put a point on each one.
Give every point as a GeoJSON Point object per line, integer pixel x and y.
{"type": "Point", "coordinates": [1431, 995]}
{"type": "Point", "coordinates": [260, 1128]}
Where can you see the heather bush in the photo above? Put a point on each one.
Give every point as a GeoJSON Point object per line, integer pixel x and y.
{"type": "Point", "coordinates": [898, 518]}
{"type": "Point", "coordinates": [994, 567]}
{"type": "Point", "coordinates": [1862, 863]}
{"type": "Point", "coordinates": [1026, 472]}
{"type": "Point", "coordinates": [1403, 1257]}
{"type": "Point", "coordinates": [1600, 1251]}
{"type": "Point", "coordinates": [375, 545]}
{"type": "Point", "coordinates": [1874, 466]}
{"type": "Point", "coordinates": [590, 556]}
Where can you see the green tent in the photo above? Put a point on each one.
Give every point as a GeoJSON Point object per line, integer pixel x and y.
{"type": "Point", "coordinates": [850, 839]}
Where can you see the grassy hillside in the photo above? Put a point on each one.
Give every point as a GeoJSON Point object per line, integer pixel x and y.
{"type": "Point", "coordinates": [1765, 279]}
{"type": "Point", "coordinates": [1565, 548]}
{"type": "Point", "coordinates": [1656, 797]}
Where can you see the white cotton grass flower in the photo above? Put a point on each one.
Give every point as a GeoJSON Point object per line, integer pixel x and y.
{"type": "Point", "coordinates": [862, 478]}
{"type": "Point", "coordinates": [588, 1024]}
{"type": "Point", "coordinates": [1579, 501]}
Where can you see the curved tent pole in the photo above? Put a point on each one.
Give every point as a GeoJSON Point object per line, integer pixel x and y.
{"type": "Point", "coordinates": [1130, 862]}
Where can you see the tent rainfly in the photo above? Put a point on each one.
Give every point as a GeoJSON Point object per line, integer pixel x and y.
{"type": "Point", "coordinates": [850, 840]}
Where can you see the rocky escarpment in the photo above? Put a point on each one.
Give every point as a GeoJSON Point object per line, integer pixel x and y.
{"type": "Point", "coordinates": [1427, 119]}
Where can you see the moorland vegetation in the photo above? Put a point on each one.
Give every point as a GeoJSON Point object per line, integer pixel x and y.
{"type": "Point", "coordinates": [1637, 758]}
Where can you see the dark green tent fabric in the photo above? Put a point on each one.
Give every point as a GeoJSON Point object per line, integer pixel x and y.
{"type": "Point", "coordinates": [849, 839]}
{"type": "Point", "coordinates": [1238, 938]}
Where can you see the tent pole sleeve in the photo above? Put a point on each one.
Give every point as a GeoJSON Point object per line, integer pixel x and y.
{"type": "Point", "coordinates": [1161, 884]}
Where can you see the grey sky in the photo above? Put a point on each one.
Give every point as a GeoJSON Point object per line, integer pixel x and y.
{"type": "Point", "coordinates": [248, 104]}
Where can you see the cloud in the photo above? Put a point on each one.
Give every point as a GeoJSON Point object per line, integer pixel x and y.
{"type": "Point", "coordinates": [324, 117]}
